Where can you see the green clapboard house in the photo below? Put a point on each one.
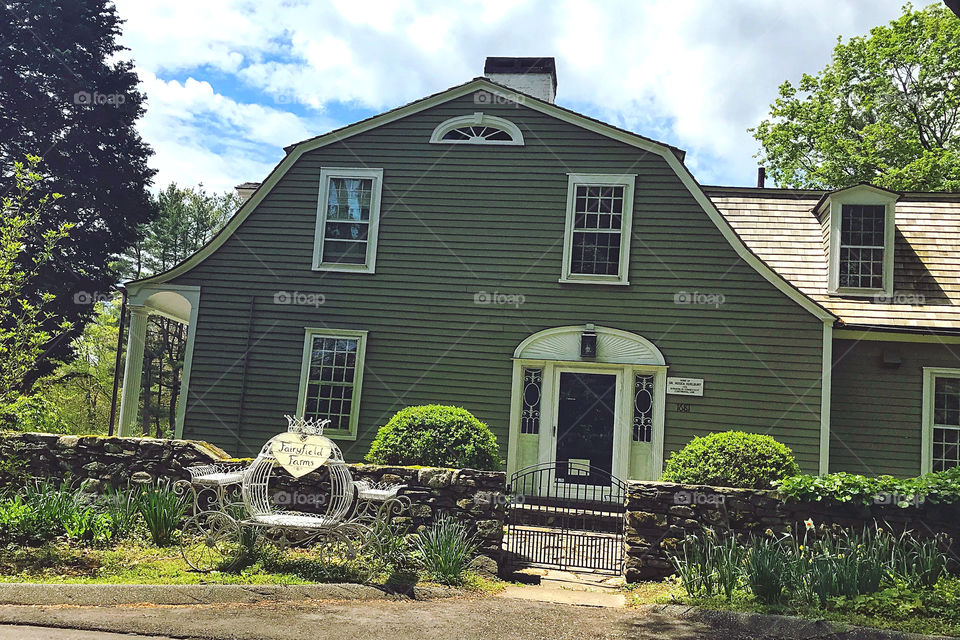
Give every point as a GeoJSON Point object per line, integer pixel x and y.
{"type": "Point", "coordinates": [572, 285]}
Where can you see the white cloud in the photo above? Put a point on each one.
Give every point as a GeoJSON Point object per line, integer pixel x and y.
{"type": "Point", "coordinates": [697, 74]}
{"type": "Point", "coordinates": [202, 136]}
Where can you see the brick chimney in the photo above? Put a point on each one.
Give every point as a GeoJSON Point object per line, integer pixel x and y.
{"type": "Point", "coordinates": [535, 77]}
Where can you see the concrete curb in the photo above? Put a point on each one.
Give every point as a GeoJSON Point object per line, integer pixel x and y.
{"type": "Point", "coordinates": [94, 595]}
{"type": "Point", "coordinates": [785, 627]}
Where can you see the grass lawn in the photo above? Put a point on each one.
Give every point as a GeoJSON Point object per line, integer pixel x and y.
{"type": "Point", "coordinates": [641, 593]}
{"type": "Point", "coordinates": [137, 563]}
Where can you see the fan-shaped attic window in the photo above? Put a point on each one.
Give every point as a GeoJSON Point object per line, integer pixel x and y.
{"type": "Point", "coordinates": [477, 129]}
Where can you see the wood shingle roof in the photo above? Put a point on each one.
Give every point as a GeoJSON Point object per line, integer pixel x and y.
{"type": "Point", "coordinates": [779, 225]}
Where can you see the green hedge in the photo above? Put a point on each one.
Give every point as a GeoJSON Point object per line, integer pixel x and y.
{"type": "Point", "coordinates": [731, 459]}
{"type": "Point", "coordinates": [436, 436]}
{"type": "Point", "coordinates": [939, 487]}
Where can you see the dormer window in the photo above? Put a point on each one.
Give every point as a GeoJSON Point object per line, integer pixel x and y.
{"type": "Point", "coordinates": [862, 245]}
{"type": "Point", "coordinates": [858, 226]}
{"type": "Point", "coordinates": [478, 128]}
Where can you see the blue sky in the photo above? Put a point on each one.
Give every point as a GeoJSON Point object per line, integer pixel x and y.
{"type": "Point", "coordinates": [230, 83]}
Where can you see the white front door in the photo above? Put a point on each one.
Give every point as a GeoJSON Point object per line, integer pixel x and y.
{"type": "Point", "coordinates": [564, 412]}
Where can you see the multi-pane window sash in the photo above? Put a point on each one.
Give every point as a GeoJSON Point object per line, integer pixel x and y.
{"type": "Point", "coordinates": [331, 382]}
{"type": "Point", "coordinates": [477, 134]}
{"type": "Point", "coordinates": [946, 423]}
{"type": "Point", "coordinates": [530, 411]}
{"type": "Point", "coordinates": [347, 226]}
{"type": "Point", "coordinates": [862, 245]}
{"type": "Point", "coordinates": [597, 230]}
{"type": "Point", "coordinates": [643, 408]}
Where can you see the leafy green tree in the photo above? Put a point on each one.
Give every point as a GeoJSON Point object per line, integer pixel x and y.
{"type": "Point", "coordinates": [886, 110]}
{"type": "Point", "coordinates": [77, 394]}
{"type": "Point", "coordinates": [66, 95]}
{"type": "Point", "coordinates": [24, 310]}
{"type": "Point", "coordinates": [187, 218]}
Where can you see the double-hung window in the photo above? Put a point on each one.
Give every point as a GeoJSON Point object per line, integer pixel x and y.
{"type": "Point", "coordinates": [941, 419]}
{"type": "Point", "coordinates": [862, 246]}
{"type": "Point", "coordinates": [859, 223]}
{"type": "Point", "coordinates": [348, 216]}
{"type": "Point", "coordinates": [598, 224]}
{"type": "Point", "coordinates": [331, 378]}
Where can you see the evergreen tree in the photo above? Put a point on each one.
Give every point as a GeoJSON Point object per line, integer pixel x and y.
{"type": "Point", "coordinates": [65, 97]}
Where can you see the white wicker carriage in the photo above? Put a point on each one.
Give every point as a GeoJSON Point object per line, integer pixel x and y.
{"type": "Point", "coordinates": [216, 539]}
{"type": "Point", "coordinates": [262, 512]}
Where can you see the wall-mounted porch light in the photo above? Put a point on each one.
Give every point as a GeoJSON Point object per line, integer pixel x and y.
{"type": "Point", "coordinates": [588, 343]}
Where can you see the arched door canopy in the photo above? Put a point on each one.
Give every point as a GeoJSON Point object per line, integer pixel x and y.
{"type": "Point", "coordinates": [613, 346]}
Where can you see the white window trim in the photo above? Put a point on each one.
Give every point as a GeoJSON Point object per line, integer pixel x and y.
{"type": "Point", "coordinates": [930, 375]}
{"type": "Point", "coordinates": [478, 119]}
{"type": "Point", "coordinates": [862, 197]}
{"type": "Point", "coordinates": [580, 179]}
{"type": "Point", "coordinates": [372, 230]}
{"type": "Point", "coordinates": [361, 336]}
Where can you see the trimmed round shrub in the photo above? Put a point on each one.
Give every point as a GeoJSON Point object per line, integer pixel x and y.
{"type": "Point", "coordinates": [436, 435]}
{"type": "Point", "coordinates": [732, 459]}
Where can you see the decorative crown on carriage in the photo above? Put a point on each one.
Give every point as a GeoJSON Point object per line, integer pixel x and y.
{"type": "Point", "coordinates": [306, 426]}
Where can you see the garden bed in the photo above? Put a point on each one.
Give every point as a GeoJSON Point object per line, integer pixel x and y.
{"type": "Point", "coordinates": [52, 533]}
{"type": "Point", "coordinates": [933, 611]}
{"type": "Point", "coordinates": [873, 577]}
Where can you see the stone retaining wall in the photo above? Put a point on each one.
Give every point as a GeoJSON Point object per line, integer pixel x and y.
{"type": "Point", "coordinates": [660, 514]}
{"type": "Point", "coordinates": [474, 497]}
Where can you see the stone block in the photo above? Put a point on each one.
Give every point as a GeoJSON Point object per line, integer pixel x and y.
{"type": "Point", "coordinates": [490, 529]}
{"type": "Point", "coordinates": [421, 511]}
{"type": "Point", "coordinates": [435, 478]}
{"type": "Point", "coordinates": [643, 519]}
{"type": "Point", "coordinates": [681, 511]}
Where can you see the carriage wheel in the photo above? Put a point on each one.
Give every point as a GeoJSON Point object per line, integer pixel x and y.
{"type": "Point", "coordinates": [212, 541]}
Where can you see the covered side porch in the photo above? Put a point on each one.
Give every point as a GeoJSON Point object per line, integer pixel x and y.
{"type": "Point", "coordinates": [180, 303]}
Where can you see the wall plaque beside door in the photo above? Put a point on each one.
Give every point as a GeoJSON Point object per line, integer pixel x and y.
{"type": "Point", "coordinates": [685, 386]}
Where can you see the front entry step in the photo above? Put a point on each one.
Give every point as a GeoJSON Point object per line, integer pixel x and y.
{"type": "Point", "coordinates": [566, 587]}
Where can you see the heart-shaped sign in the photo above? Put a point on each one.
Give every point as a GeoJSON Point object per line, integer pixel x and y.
{"type": "Point", "coordinates": [300, 454]}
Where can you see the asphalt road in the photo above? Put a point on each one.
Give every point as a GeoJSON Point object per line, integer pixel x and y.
{"type": "Point", "coordinates": [467, 618]}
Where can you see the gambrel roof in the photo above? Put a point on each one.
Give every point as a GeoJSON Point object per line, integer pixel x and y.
{"type": "Point", "coordinates": [782, 227]}
{"type": "Point", "coordinates": [672, 155]}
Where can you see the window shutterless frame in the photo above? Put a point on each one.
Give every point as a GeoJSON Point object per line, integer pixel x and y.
{"type": "Point", "coordinates": [323, 332]}
{"type": "Point", "coordinates": [930, 375]}
{"type": "Point", "coordinates": [861, 196]}
{"type": "Point", "coordinates": [373, 224]}
{"type": "Point", "coordinates": [574, 180]}
{"type": "Point", "coordinates": [478, 128]}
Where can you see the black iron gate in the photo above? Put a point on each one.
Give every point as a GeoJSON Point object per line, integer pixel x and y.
{"type": "Point", "coordinates": [565, 515]}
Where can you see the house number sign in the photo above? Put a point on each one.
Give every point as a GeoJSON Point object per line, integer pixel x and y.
{"type": "Point", "coordinates": [300, 454]}
{"type": "Point", "coordinates": [685, 386]}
